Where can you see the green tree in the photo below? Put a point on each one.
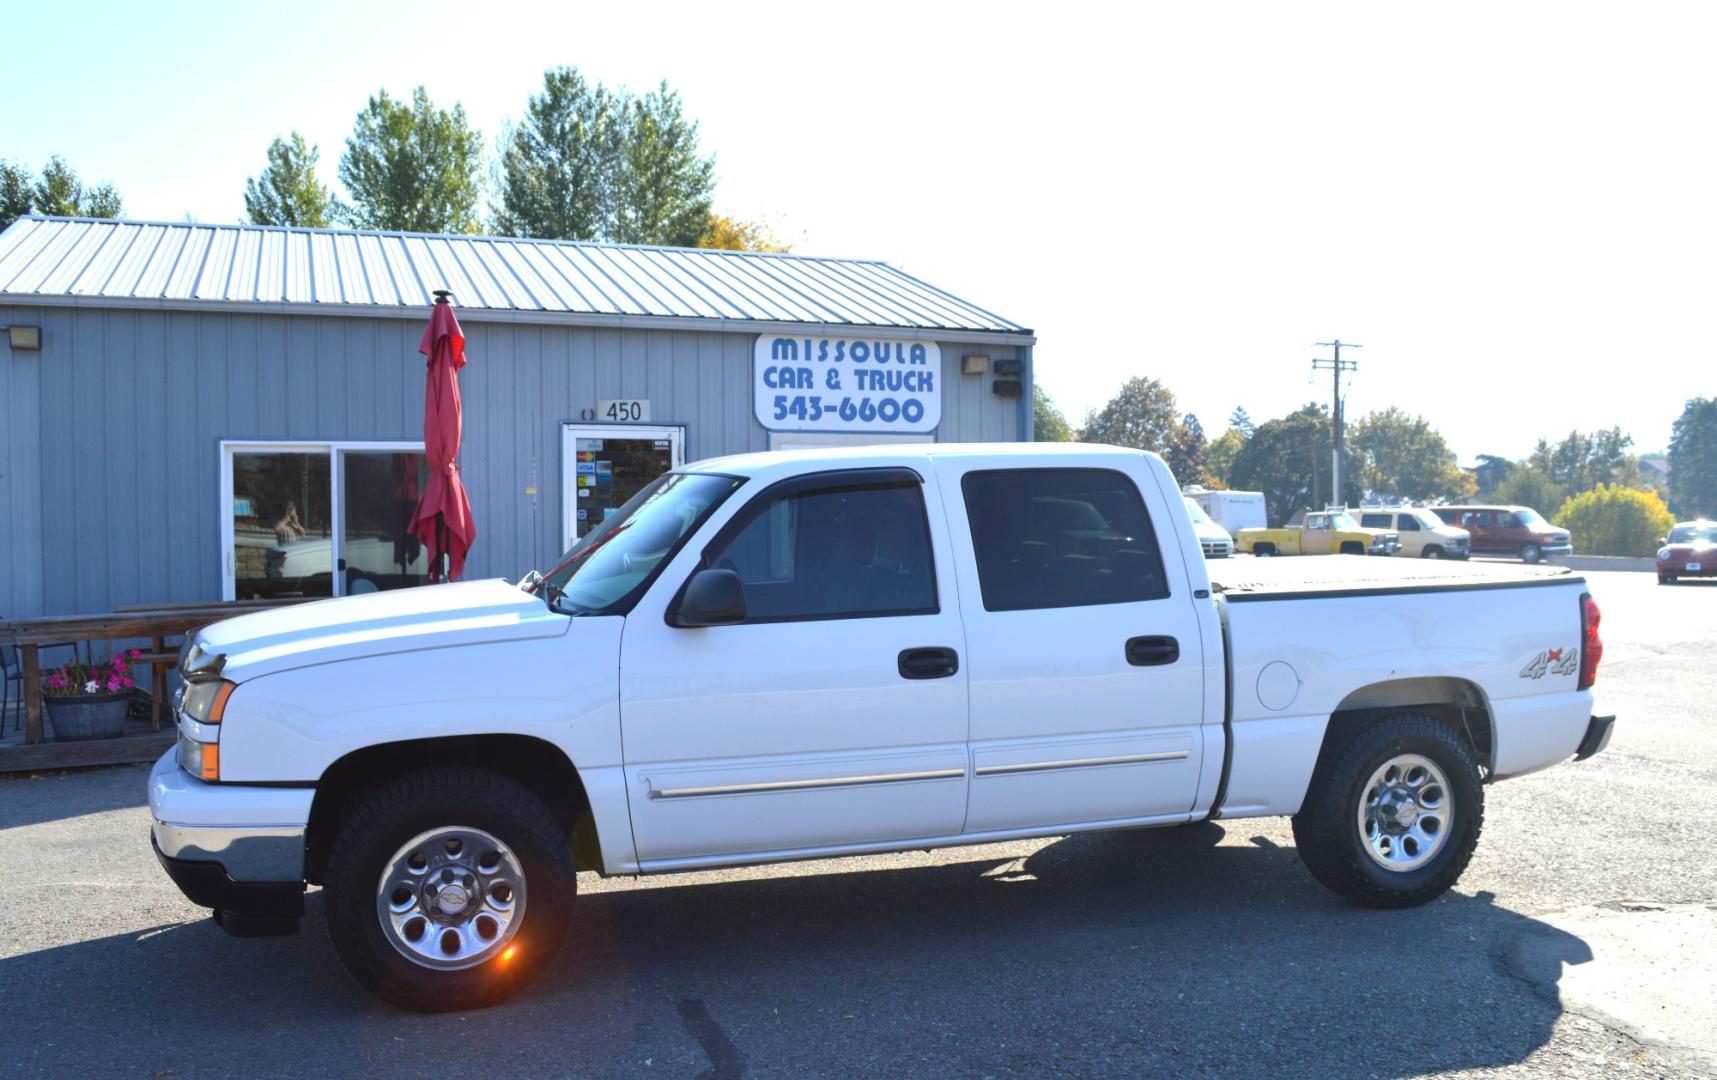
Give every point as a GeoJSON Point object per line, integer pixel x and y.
{"type": "Point", "coordinates": [1528, 486]}
{"type": "Point", "coordinates": [1186, 452]}
{"type": "Point", "coordinates": [1048, 422]}
{"type": "Point", "coordinates": [1220, 454]}
{"type": "Point", "coordinates": [288, 192]}
{"type": "Point", "coordinates": [1142, 415]}
{"type": "Point", "coordinates": [1403, 456]}
{"type": "Point", "coordinates": [17, 195]}
{"type": "Point", "coordinates": [1615, 520]}
{"type": "Point", "coordinates": [1289, 460]}
{"type": "Point", "coordinates": [725, 233]}
{"type": "Point", "coordinates": [1582, 461]}
{"type": "Point", "coordinates": [1239, 420]}
{"type": "Point", "coordinates": [1693, 459]}
{"type": "Point", "coordinates": [558, 165]}
{"type": "Point", "coordinates": [662, 185]}
{"type": "Point", "coordinates": [60, 192]}
{"type": "Point", "coordinates": [412, 167]}
{"type": "Point", "coordinates": [1491, 471]}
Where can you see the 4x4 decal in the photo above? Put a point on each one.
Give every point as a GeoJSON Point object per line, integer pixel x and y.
{"type": "Point", "coordinates": [1552, 662]}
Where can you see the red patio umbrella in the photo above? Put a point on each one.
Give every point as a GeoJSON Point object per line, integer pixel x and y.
{"type": "Point", "coordinates": [443, 520]}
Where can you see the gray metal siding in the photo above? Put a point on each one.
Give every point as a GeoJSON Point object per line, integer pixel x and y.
{"type": "Point", "coordinates": [110, 457]}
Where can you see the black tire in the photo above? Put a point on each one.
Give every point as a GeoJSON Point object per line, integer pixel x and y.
{"type": "Point", "coordinates": [1263, 551]}
{"type": "Point", "coordinates": [1350, 547]}
{"type": "Point", "coordinates": [1432, 552]}
{"type": "Point", "coordinates": [1531, 553]}
{"type": "Point", "coordinates": [379, 823]}
{"type": "Point", "coordinates": [1327, 831]}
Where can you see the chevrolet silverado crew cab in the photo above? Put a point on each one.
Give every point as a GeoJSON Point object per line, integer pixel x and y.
{"type": "Point", "coordinates": [828, 652]}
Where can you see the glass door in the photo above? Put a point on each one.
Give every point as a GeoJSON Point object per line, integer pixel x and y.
{"type": "Point", "coordinates": [603, 465]}
{"type": "Point", "coordinates": [305, 520]}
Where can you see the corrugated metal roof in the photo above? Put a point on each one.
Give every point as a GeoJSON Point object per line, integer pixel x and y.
{"type": "Point", "coordinates": [91, 260]}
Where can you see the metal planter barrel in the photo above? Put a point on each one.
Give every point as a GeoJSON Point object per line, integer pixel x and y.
{"type": "Point", "coordinates": [88, 716]}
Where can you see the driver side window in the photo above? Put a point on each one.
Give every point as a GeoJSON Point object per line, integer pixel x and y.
{"type": "Point", "coordinates": [843, 552]}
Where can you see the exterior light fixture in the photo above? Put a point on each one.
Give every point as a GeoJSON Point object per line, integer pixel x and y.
{"type": "Point", "coordinates": [974, 365]}
{"type": "Point", "coordinates": [24, 338]}
{"type": "Point", "coordinates": [1011, 369]}
{"type": "Point", "coordinates": [1009, 388]}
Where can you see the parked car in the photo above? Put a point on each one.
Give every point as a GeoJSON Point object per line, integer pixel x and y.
{"type": "Point", "coordinates": [800, 655]}
{"type": "Point", "coordinates": [1509, 530]}
{"type": "Point", "coordinates": [1690, 550]}
{"type": "Point", "coordinates": [1213, 538]}
{"type": "Point", "coordinates": [1322, 532]}
{"type": "Point", "coordinates": [1233, 510]}
{"type": "Point", "coordinates": [1424, 535]}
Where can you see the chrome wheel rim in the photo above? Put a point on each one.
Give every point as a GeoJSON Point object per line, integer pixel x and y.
{"type": "Point", "coordinates": [451, 898]}
{"type": "Point", "coordinates": [1405, 812]}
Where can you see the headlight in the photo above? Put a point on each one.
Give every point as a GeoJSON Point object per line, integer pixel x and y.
{"type": "Point", "coordinates": [202, 760]}
{"type": "Point", "coordinates": [1662, 554]}
{"type": "Point", "coordinates": [204, 702]}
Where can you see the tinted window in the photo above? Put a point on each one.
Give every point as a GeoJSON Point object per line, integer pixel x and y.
{"type": "Point", "coordinates": [832, 553]}
{"type": "Point", "coordinates": [1376, 521]}
{"type": "Point", "coordinates": [1048, 538]}
{"type": "Point", "coordinates": [1405, 523]}
{"type": "Point", "coordinates": [1506, 520]}
{"type": "Point", "coordinates": [1480, 518]}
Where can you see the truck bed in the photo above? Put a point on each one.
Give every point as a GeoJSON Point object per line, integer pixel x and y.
{"type": "Point", "coordinates": [1303, 577]}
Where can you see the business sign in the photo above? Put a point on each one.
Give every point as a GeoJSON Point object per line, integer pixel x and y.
{"type": "Point", "coordinates": [847, 385]}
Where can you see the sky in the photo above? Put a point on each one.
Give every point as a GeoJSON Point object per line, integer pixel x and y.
{"type": "Point", "coordinates": [1510, 207]}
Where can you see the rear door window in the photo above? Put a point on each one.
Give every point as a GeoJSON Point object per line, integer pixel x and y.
{"type": "Point", "coordinates": [1051, 538]}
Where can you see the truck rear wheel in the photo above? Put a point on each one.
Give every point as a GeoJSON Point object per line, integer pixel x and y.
{"type": "Point", "coordinates": [1394, 809]}
{"type": "Point", "coordinates": [449, 889]}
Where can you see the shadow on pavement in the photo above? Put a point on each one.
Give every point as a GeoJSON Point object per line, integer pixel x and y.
{"type": "Point", "coordinates": [1152, 953]}
{"type": "Point", "coordinates": [27, 800]}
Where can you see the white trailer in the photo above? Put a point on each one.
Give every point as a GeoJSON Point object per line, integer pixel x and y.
{"type": "Point", "coordinates": [1233, 510]}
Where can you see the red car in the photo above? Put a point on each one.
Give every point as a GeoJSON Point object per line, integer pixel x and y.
{"type": "Point", "coordinates": [1508, 530]}
{"type": "Point", "coordinates": [1690, 550]}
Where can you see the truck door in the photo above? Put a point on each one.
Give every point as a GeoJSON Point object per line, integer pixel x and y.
{"type": "Point", "coordinates": [1084, 658]}
{"type": "Point", "coordinates": [1315, 538]}
{"type": "Point", "coordinates": [835, 713]}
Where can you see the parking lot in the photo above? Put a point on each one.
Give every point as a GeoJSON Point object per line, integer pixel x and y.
{"type": "Point", "coordinates": [1567, 949]}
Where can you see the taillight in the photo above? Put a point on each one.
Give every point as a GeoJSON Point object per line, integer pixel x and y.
{"type": "Point", "coordinates": [1593, 650]}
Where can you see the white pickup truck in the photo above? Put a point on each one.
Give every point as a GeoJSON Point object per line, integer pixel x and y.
{"type": "Point", "coordinates": [817, 653]}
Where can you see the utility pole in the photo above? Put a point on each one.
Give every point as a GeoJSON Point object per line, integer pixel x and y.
{"type": "Point", "coordinates": [1336, 365]}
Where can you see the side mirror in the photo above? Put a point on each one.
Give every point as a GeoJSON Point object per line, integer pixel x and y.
{"type": "Point", "coordinates": [711, 598]}
{"type": "Point", "coordinates": [1662, 540]}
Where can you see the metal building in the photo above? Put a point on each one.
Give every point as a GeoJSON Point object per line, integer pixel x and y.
{"type": "Point", "coordinates": [195, 412]}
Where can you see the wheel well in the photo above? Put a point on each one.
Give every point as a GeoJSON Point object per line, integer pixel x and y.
{"type": "Point", "coordinates": [1352, 547]}
{"type": "Point", "coordinates": [1457, 702]}
{"type": "Point", "coordinates": [1263, 546]}
{"type": "Point", "coordinates": [539, 765]}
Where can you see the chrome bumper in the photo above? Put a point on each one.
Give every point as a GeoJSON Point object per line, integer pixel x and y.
{"type": "Point", "coordinates": [254, 833]}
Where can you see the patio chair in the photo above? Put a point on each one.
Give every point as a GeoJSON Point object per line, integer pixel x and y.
{"type": "Point", "coordinates": [12, 670]}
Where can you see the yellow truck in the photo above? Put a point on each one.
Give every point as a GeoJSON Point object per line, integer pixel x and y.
{"type": "Point", "coordinates": [1322, 532]}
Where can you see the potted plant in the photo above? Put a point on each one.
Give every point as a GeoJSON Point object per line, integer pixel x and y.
{"type": "Point", "coordinates": [90, 701]}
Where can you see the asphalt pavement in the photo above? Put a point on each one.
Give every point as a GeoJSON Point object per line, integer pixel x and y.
{"type": "Point", "coordinates": [1580, 942]}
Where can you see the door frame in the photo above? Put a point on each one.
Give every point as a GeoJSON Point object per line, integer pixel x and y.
{"type": "Point", "coordinates": [336, 449]}
{"type": "Point", "coordinates": [573, 430]}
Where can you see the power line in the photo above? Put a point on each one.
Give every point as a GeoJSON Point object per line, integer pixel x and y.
{"type": "Point", "coordinates": [1336, 365]}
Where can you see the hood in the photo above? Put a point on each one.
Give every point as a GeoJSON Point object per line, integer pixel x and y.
{"type": "Point", "coordinates": [400, 620]}
{"type": "Point", "coordinates": [1700, 547]}
{"type": "Point", "coordinates": [1210, 530]}
{"type": "Point", "coordinates": [1451, 532]}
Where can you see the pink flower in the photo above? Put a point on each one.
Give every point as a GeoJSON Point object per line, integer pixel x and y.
{"type": "Point", "coordinates": [127, 683]}
{"type": "Point", "coordinates": [135, 654]}
{"type": "Point", "coordinates": [113, 685]}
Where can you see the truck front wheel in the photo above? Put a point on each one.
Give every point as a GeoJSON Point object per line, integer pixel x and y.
{"type": "Point", "coordinates": [449, 888]}
{"type": "Point", "coordinates": [1394, 809]}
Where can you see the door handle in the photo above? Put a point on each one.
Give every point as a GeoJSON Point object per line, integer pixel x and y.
{"type": "Point", "coordinates": [1152, 651]}
{"type": "Point", "coordinates": [928, 663]}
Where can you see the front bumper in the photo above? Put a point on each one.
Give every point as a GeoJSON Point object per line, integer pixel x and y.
{"type": "Point", "coordinates": [1598, 732]}
{"type": "Point", "coordinates": [234, 848]}
{"type": "Point", "coordinates": [1557, 549]}
{"type": "Point", "coordinates": [1706, 569]}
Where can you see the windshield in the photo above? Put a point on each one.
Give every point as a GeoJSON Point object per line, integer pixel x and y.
{"type": "Point", "coordinates": [617, 559]}
{"type": "Point", "coordinates": [1529, 517]}
{"type": "Point", "coordinates": [1199, 517]}
{"type": "Point", "coordinates": [1343, 521]}
{"type": "Point", "coordinates": [1693, 534]}
{"type": "Point", "coordinates": [1428, 519]}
